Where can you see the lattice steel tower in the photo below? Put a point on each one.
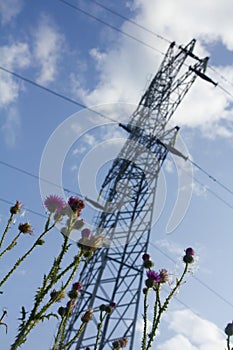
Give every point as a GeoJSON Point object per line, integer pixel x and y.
{"type": "Point", "coordinates": [115, 273]}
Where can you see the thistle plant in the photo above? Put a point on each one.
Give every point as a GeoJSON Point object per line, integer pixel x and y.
{"type": "Point", "coordinates": [153, 285]}
{"type": "Point", "coordinates": [229, 333]}
{"type": "Point", "coordinates": [14, 210]}
{"type": "Point", "coordinates": [59, 277]}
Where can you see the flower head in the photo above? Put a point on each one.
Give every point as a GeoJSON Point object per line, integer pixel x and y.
{"type": "Point", "coordinates": [76, 204]}
{"type": "Point", "coordinates": [71, 304]}
{"type": "Point", "coordinates": [189, 251]}
{"type": "Point", "coordinates": [16, 208]}
{"type": "Point", "coordinates": [62, 311]}
{"type": "Point", "coordinates": [56, 296]}
{"type": "Point", "coordinates": [108, 308]}
{"type": "Point", "coordinates": [77, 286]}
{"type": "Point", "coordinates": [86, 233]}
{"type": "Point", "coordinates": [229, 329]}
{"type": "Point", "coordinates": [153, 275]}
{"type": "Point", "coordinates": [188, 258]}
{"type": "Point", "coordinates": [54, 204]}
{"type": "Point", "coordinates": [120, 343]}
{"type": "Point", "coordinates": [145, 257]}
{"type": "Point", "coordinates": [87, 316]}
{"type": "Point", "coordinates": [164, 276]}
{"type": "Point", "coordinates": [25, 228]}
{"type": "Point", "coordinates": [112, 304]}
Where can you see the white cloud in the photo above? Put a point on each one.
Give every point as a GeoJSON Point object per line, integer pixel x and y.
{"type": "Point", "coordinates": [9, 9]}
{"type": "Point", "coordinates": [177, 342]}
{"type": "Point", "coordinates": [13, 56]}
{"type": "Point", "coordinates": [192, 332]}
{"type": "Point", "coordinates": [47, 49]}
{"type": "Point", "coordinates": [123, 68]}
{"type": "Point", "coordinates": [172, 248]}
{"type": "Point", "coordinates": [11, 126]}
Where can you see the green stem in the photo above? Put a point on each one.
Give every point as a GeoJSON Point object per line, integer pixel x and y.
{"type": "Point", "coordinates": [6, 229]}
{"type": "Point", "coordinates": [56, 341]}
{"type": "Point", "coordinates": [99, 327]}
{"type": "Point", "coordinates": [19, 261]}
{"type": "Point", "coordinates": [228, 343]}
{"type": "Point", "coordinates": [11, 245]}
{"type": "Point", "coordinates": [35, 315]}
{"type": "Point", "coordinates": [164, 307]}
{"type": "Point", "coordinates": [56, 265]}
{"type": "Point", "coordinates": [77, 335]}
{"type": "Point", "coordinates": [145, 319]}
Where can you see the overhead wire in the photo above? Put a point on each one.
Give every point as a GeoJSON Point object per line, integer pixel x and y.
{"type": "Point", "coordinates": [64, 97]}
{"type": "Point", "coordinates": [28, 173]}
{"type": "Point", "coordinates": [207, 188]}
{"type": "Point", "coordinates": [53, 92]}
{"type": "Point", "coordinates": [25, 208]}
{"type": "Point", "coordinates": [211, 177]}
{"type": "Point", "coordinates": [212, 290]}
{"type": "Point", "coordinates": [131, 21]}
{"type": "Point", "coordinates": [220, 75]}
{"type": "Point", "coordinates": [155, 246]}
{"type": "Point", "coordinates": [83, 106]}
{"type": "Point", "coordinates": [77, 8]}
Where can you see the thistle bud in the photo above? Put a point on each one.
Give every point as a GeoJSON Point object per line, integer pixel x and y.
{"type": "Point", "coordinates": [16, 208]}
{"type": "Point", "coordinates": [148, 264]}
{"type": "Point", "coordinates": [87, 316]}
{"type": "Point", "coordinates": [73, 294]}
{"type": "Point", "coordinates": [62, 311]}
{"type": "Point", "coordinates": [229, 329]}
{"type": "Point", "coordinates": [188, 259]}
{"type": "Point", "coordinates": [25, 228]}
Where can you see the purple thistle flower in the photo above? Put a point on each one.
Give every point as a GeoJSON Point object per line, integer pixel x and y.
{"type": "Point", "coordinates": [145, 257]}
{"type": "Point", "coordinates": [189, 251]}
{"type": "Point", "coordinates": [76, 204]}
{"type": "Point", "coordinates": [164, 276]}
{"type": "Point", "coordinates": [77, 286]}
{"type": "Point", "coordinates": [86, 233]}
{"type": "Point", "coordinates": [153, 275]}
{"type": "Point", "coordinates": [71, 304]}
{"type": "Point", "coordinates": [54, 203]}
{"type": "Point", "coordinates": [229, 329]}
{"type": "Point", "coordinates": [112, 304]}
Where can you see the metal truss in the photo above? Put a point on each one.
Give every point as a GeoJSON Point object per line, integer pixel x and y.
{"type": "Point", "coordinates": [115, 272]}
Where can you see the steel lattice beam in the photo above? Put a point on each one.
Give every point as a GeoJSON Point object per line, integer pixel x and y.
{"type": "Point", "coordinates": [115, 273]}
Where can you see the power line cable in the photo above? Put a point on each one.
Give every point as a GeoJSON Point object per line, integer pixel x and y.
{"type": "Point", "coordinates": [173, 150]}
{"type": "Point", "coordinates": [27, 209]}
{"type": "Point", "coordinates": [79, 194]}
{"type": "Point", "coordinates": [130, 21]}
{"type": "Point", "coordinates": [138, 40]}
{"type": "Point", "coordinates": [37, 177]}
{"type": "Point", "coordinates": [212, 290]}
{"type": "Point", "coordinates": [98, 113]}
{"type": "Point", "coordinates": [220, 75]}
{"type": "Point", "coordinates": [64, 97]}
{"type": "Point", "coordinates": [77, 8]}
{"type": "Point", "coordinates": [208, 189]}
{"type": "Point", "coordinates": [151, 243]}
{"type": "Point", "coordinates": [211, 177]}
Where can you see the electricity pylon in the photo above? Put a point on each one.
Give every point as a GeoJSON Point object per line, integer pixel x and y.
{"type": "Point", "coordinates": [115, 273]}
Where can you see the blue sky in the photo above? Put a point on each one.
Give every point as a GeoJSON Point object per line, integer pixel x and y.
{"type": "Point", "coordinates": [77, 56]}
